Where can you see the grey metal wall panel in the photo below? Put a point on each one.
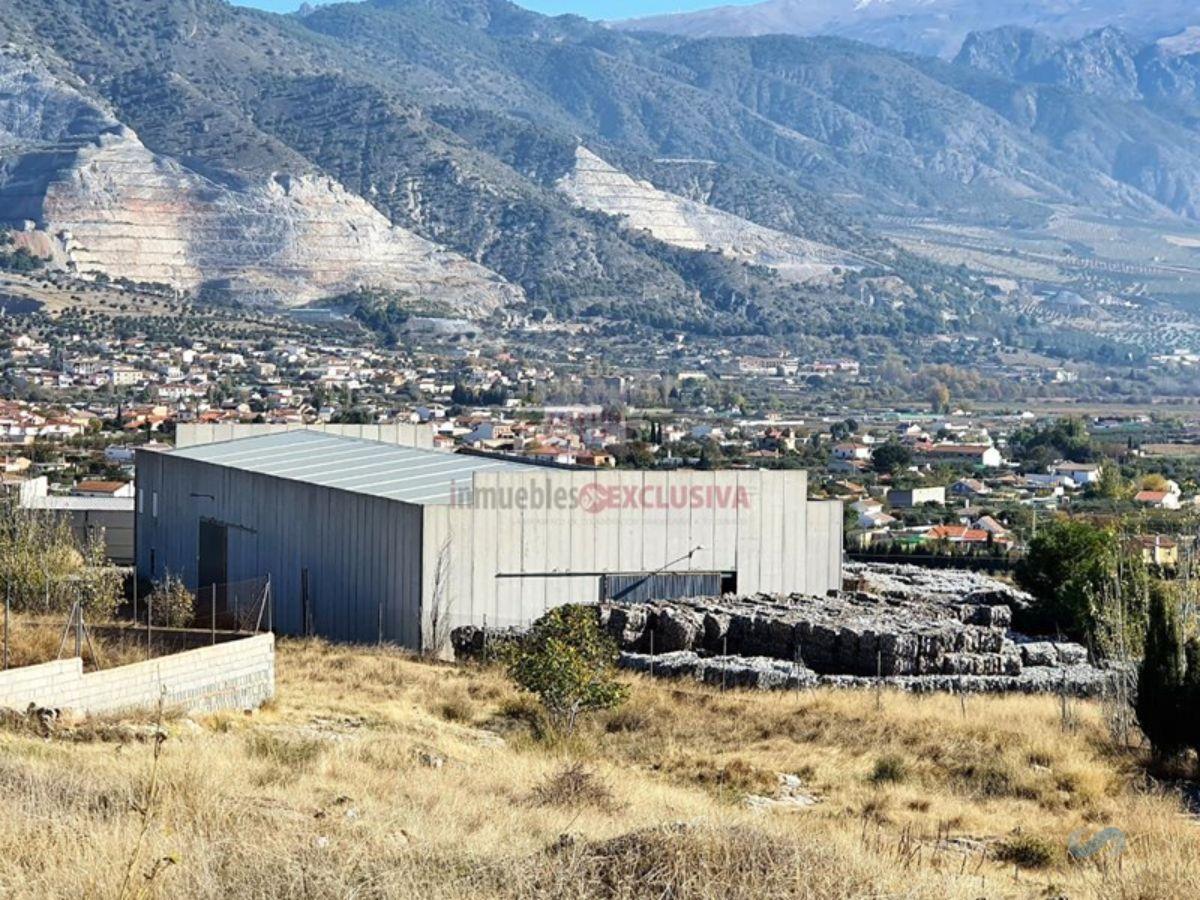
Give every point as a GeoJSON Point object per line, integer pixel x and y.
{"type": "Point", "coordinates": [350, 543]}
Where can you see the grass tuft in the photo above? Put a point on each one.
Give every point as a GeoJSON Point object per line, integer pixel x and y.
{"type": "Point", "coordinates": [890, 769]}
{"type": "Point", "coordinates": [1029, 851]}
{"type": "Point", "coordinates": [572, 787]}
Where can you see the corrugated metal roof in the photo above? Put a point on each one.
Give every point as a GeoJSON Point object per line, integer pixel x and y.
{"type": "Point", "coordinates": [351, 464]}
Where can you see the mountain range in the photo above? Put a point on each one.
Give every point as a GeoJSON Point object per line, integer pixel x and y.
{"type": "Point", "coordinates": [929, 27]}
{"type": "Point", "coordinates": [473, 157]}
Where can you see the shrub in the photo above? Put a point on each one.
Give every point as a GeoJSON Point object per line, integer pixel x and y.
{"type": "Point", "coordinates": [574, 786]}
{"type": "Point", "coordinates": [890, 769]}
{"type": "Point", "coordinates": [290, 751]}
{"type": "Point", "coordinates": [47, 570]}
{"type": "Point", "coordinates": [569, 664]}
{"type": "Point", "coordinates": [457, 708]}
{"type": "Point", "coordinates": [171, 604]}
{"type": "Point", "coordinates": [1029, 851]}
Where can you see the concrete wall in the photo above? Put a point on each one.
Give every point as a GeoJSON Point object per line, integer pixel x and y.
{"type": "Point", "coordinates": [510, 565]}
{"type": "Point", "coordinates": [190, 434]}
{"type": "Point", "coordinates": [363, 553]}
{"type": "Point", "coordinates": [234, 675]}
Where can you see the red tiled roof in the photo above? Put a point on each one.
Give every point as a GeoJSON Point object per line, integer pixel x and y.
{"type": "Point", "coordinates": [100, 487]}
{"type": "Point", "coordinates": [1150, 496]}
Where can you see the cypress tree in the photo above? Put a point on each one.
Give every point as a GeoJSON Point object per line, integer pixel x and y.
{"type": "Point", "coordinates": [1160, 691]}
{"type": "Point", "coordinates": [1189, 714]}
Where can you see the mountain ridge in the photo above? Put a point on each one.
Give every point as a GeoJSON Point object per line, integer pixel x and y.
{"type": "Point", "coordinates": [456, 121]}
{"type": "Point", "coordinates": [931, 27]}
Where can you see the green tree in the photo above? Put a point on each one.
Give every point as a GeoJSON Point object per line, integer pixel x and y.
{"type": "Point", "coordinates": [1070, 564]}
{"type": "Point", "coordinates": [1066, 438]}
{"type": "Point", "coordinates": [47, 570]}
{"type": "Point", "coordinates": [1159, 704]}
{"type": "Point", "coordinates": [1110, 485]}
{"type": "Point", "coordinates": [939, 398]}
{"type": "Point", "coordinates": [891, 456]}
{"type": "Point", "coordinates": [569, 664]}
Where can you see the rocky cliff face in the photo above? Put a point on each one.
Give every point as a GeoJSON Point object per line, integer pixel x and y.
{"type": "Point", "coordinates": [109, 205]}
{"type": "Point", "coordinates": [594, 184]}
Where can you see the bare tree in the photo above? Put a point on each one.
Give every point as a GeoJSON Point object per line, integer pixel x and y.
{"type": "Point", "coordinates": [440, 604]}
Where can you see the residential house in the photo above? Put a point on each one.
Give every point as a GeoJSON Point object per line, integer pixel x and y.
{"type": "Point", "coordinates": [103, 489]}
{"type": "Point", "coordinates": [1157, 550]}
{"type": "Point", "coordinates": [958, 534]}
{"type": "Point", "coordinates": [969, 488]}
{"type": "Point", "coordinates": [999, 534]}
{"type": "Point", "coordinates": [848, 467]}
{"type": "Point", "coordinates": [980, 455]}
{"type": "Point", "coordinates": [1157, 499]}
{"type": "Point", "coordinates": [875, 519]}
{"type": "Point", "coordinates": [852, 451]}
{"type": "Point", "coordinates": [912, 497]}
{"type": "Point", "coordinates": [1082, 474]}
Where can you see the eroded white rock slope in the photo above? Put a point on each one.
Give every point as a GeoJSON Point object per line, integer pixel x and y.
{"type": "Point", "coordinates": [595, 184]}
{"type": "Point", "coordinates": [108, 204]}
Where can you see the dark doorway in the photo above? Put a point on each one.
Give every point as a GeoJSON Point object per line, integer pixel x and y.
{"type": "Point", "coordinates": [213, 567]}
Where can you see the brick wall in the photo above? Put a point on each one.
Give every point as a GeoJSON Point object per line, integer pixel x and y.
{"type": "Point", "coordinates": [234, 675]}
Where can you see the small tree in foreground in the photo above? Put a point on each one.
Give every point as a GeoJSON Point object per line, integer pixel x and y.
{"type": "Point", "coordinates": [171, 604]}
{"type": "Point", "coordinates": [569, 664]}
{"type": "Point", "coordinates": [1168, 690]}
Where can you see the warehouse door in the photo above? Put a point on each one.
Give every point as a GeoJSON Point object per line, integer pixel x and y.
{"type": "Point", "coordinates": [639, 587]}
{"type": "Point", "coordinates": [213, 559]}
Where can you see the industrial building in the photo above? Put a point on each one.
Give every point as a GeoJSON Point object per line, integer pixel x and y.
{"type": "Point", "coordinates": [106, 516]}
{"type": "Point", "coordinates": [371, 541]}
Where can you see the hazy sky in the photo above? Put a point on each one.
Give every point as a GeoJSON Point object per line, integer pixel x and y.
{"type": "Point", "coordinates": [593, 9]}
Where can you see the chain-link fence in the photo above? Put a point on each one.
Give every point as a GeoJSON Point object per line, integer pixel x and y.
{"type": "Point", "coordinates": [234, 607]}
{"type": "Point", "coordinates": [182, 619]}
{"type": "Point", "coordinates": [239, 606]}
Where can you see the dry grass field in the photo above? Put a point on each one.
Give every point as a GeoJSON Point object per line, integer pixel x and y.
{"type": "Point", "coordinates": [375, 774]}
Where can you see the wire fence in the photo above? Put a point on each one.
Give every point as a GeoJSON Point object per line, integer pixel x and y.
{"type": "Point", "coordinates": [206, 616]}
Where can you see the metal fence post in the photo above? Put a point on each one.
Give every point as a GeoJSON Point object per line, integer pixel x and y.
{"type": "Point", "coordinates": [78, 626]}
{"type": "Point", "coordinates": [305, 601]}
{"type": "Point", "coordinates": [149, 623]}
{"type": "Point", "coordinates": [7, 609]}
{"type": "Point", "coordinates": [213, 614]}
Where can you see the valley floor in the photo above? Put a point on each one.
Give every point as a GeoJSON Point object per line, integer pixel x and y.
{"type": "Point", "coordinates": [375, 774]}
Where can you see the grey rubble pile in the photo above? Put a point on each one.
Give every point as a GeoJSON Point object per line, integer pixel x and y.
{"type": "Point", "coordinates": [764, 673]}
{"type": "Point", "coordinates": [905, 627]}
{"type": "Point", "coordinates": [851, 634]}
{"type": "Point", "coordinates": [473, 642]}
{"type": "Point", "coordinates": [953, 587]}
{"type": "Point", "coordinates": [917, 629]}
